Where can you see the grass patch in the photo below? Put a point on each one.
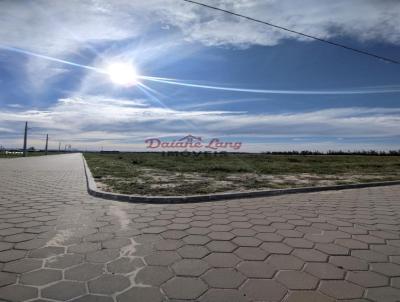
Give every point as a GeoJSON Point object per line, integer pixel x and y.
{"type": "Point", "coordinates": [157, 174]}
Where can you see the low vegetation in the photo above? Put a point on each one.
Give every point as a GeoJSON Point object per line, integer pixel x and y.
{"type": "Point", "coordinates": [161, 174]}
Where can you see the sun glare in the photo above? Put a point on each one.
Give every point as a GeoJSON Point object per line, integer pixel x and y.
{"type": "Point", "coordinates": [123, 74]}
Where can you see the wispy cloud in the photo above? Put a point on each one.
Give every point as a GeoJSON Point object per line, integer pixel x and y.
{"type": "Point", "coordinates": [215, 103]}
{"type": "Point", "coordinates": [95, 119]}
{"type": "Point", "coordinates": [55, 28]}
{"type": "Point", "coordinates": [377, 90]}
{"type": "Point", "coordinates": [58, 25]}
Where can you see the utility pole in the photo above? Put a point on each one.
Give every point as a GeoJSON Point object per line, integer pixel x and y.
{"type": "Point", "coordinates": [47, 143]}
{"type": "Point", "coordinates": [25, 138]}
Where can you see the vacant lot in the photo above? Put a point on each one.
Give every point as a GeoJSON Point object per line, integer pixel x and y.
{"type": "Point", "coordinates": [158, 174]}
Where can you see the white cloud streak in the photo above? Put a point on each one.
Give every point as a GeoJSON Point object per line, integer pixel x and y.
{"type": "Point", "coordinates": [61, 28]}
{"type": "Point", "coordinates": [95, 119]}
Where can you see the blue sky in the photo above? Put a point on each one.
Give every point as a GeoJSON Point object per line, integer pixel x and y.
{"type": "Point", "coordinates": [309, 95]}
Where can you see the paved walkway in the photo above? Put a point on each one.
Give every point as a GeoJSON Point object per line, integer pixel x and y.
{"type": "Point", "coordinates": [57, 243]}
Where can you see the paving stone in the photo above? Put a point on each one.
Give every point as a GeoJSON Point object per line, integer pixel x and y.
{"type": "Point", "coordinates": [367, 279]}
{"type": "Point", "coordinates": [298, 234]}
{"type": "Point", "coordinates": [352, 244]}
{"type": "Point", "coordinates": [84, 272]}
{"type": "Point", "coordinates": [102, 256]}
{"type": "Point", "coordinates": [310, 255]}
{"type": "Point", "coordinates": [251, 253]}
{"type": "Point", "coordinates": [108, 284]}
{"type": "Point", "coordinates": [290, 233]}
{"type": "Point", "coordinates": [222, 259]}
{"type": "Point", "coordinates": [193, 251]}
{"type": "Point", "coordinates": [84, 248]}
{"type": "Point", "coordinates": [223, 295]}
{"type": "Point", "coordinates": [324, 271]}
{"type": "Point", "coordinates": [386, 249]}
{"type": "Point", "coordinates": [221, 246]}
{"type": "Point", "coordinates": [341, 289]}
{"type": "Point", "coordinates": [139, 250]}
{"type": "Point", "coordinates": [31, 244]}
{"type": "Point", "coordinates": [162, 258]}
{"type": "Point", "coordinates": [299, 243]}
{"type": "Point", "coordinates": [93, 298]}
{"type": "Point", "coordinates": [349, 263]}
{"type": "Point", "coordinates": [41, 277]}
{"type": "Point", "coordinates": [297, 280]}
{"type": "Point", "coordinates": [247, 241]}
{"type": "Point", "coordinates": [319, 238]}
{"type": "Point", "coordinates": [383, 294]}
{"type": "Point", "coordinates": [395, 243]}
{"type": "Point", "coordinates": [7, 278]}
{"type": "Point", "coordinates": [260, 289]}
{"type": "Point", "coordinates": [5, 246]}
{"type": "Point", "coordinates": [46, 252]}
{"type": "Point", "coordinates": [153, 275]}
{"type": "Point", "coordinates": [332, 249]}
{"type": "Point", "coordinates": [384, 235]}
{"type": "Point", "coordinates": [184, 288]}
{"type": "Point", "coordinates": [285, 262]}
{"type": "Point", "coordinates": [190, 267]}
{"type": "Point", "coordinates": [221, 235]}
{"type": "Point", "coordinates": [256, 269]}
{"type": "Point", "coordinates": [395, 259]}
{"type": "Point", "coordinates": [115, 243]}
{"type": "Point", "coordinates": [269, 237]}
{"type": "Point", "coordinates": [221, 228]}
{"type": "Point", "coordinates": [370, 256]}
{"type": "Point", "coordinates": [64, 290]}
{"type": "Point", "coordinates": [388, 269]}
{"type": "Point", "coordinates": [23, 265]}
{"type": "Point", "coordinates": [369, 239]}
{"type": "Point", "coordinates": [196, 239]}
{"type": "Point", "coordinates": [276, 248]}
{"type": "Point", "coordinates": [16, 293]}
{"type": "Point", "coordinates": [152, 294]}
{"type": "Point", "coordinates": [198, 231]}
{"type": "Point", "coordinates": [223, 278]}
{"type": "Point", "coordinates": [124, 265]}
{"type": "Point", "coordinates": [19, 237]}
{"type": "Point", "coordinates": [169, 244]}
{"type": "Point", "coordinates": [243, 232]}
{"type": "Point", "coordinates": [11, 255]}
{"type": "Point", "coordinates": [10, 231]}
{"type": "Point", "coordinates": [173, 234]}
{"type": "Point", "coordinates": [307, 296]}
{"type": "Point", "coordinates": [64, 261]}
{"type": "Point", "coordinates": [395, 282]}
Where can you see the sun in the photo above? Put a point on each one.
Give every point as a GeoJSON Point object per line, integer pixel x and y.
{"type": "Point", "coordinates": [123, 74]}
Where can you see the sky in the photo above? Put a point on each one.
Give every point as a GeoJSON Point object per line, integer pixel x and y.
{"type": "Point", "coordinates": [200, 72]}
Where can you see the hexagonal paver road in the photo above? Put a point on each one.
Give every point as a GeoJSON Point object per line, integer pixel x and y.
{"type": "Point", "coordinates": [57, 243]}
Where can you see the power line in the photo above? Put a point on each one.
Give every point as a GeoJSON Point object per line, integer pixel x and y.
{"type": "Point", "coordinates": [359, 51]}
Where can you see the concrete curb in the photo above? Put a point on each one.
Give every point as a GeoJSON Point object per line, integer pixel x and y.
{"type": "Point", "coordinates": [94, 191]}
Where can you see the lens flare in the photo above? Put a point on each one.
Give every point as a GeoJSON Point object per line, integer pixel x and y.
{"type": "Point", "coordinates": [123, 74]}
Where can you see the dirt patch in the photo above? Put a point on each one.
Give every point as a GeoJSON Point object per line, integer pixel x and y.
{"type": "Point", "coordinates": [156, 182]}
{"type": "Point", "coordinates": [156, 174]}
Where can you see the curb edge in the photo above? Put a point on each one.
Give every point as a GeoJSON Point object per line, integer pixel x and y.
{"type": "Point", "coordinates": [94, 191]}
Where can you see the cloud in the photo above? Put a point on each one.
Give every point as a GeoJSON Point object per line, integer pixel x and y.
{"type": "Point", "coordinates": [59, 26]}
{"type": "Point", "coordinates": [14, 105]}
{"type": "Point", "coordinates": [66, 28]}
{"type": "Point", "coordinates": [99, 120]}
